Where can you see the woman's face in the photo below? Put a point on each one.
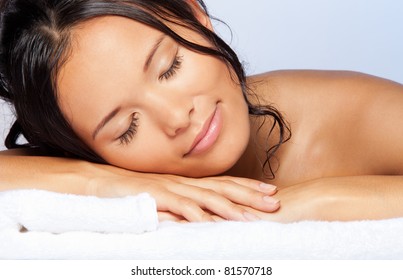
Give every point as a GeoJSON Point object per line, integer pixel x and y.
{"type": "Point", "coordinates": [145, 103]}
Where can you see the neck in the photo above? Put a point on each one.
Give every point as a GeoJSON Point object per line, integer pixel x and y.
{"type": "Point", "coordinates": [250, 165]}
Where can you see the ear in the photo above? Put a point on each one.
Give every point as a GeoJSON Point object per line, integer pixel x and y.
{"type": "Point", "coordinates": [200, 14]}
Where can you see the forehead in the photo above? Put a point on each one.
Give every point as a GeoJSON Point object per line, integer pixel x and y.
{"type": "Point", "coordinates": [109, 35]}
{"type": "Point", "coordinates": [102, 55]}
{"type": "Point", "coordinates": [108, 26]}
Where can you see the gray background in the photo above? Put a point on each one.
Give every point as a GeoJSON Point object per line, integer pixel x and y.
{"type": "Point", "coordinates": [359, 35]}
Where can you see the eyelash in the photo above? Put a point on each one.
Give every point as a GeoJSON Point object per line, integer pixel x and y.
{"type": "Point", "coordinates": [127, 137]}
{"type": "Point", "coordinates": [176, 65]}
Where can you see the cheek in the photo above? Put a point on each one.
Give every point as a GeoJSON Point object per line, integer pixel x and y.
{"type": "Point", "coordinates": [237, 131]}
{"type": "Point", "coordinates": [150, 151]}
{"type": "Point", "coordinates": [201, 72]}
{"type": "Point", "coordinates": [231, 144]}
{"type": "Point", "coordinates": [143, 155]}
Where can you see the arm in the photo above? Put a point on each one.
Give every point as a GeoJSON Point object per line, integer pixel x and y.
{"type": "Point", "coordinates": [340, 199]}
{"type": "Point", "coordinates": [352, 123]}
{"type": "Point", "coordinates": [181, 197]}
{"type": "Point", "coordinates": [24, 168]}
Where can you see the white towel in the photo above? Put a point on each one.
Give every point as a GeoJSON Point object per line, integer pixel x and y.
{"type": "Point", "coordinates": [44, 211]}
{"type": "Point", "coordinates": [225, 240]}
{"type": "Point", "coordinates": [95, 228]}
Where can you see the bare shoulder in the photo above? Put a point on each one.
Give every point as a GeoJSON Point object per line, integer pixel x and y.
{"type": "Point", "coordinates": [284, 80]}
{"type": "Point", "coordinates": [353, 117]}
{"type": "Point", "coordinates": [299, 93]}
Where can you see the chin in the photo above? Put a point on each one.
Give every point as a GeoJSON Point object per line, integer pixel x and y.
{"type": "Point", "coordinates": [213, 167]}
{"type": "Point", "coordinates": [202, 173]}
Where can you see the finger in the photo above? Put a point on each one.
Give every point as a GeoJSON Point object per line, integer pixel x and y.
{"type": "Point", "coordinates": [249, 197]}
{"type": "Point", "coordinates": [198, 204]}
{"type": "Point", "coordinates": [246, 196]}
{"type": "Point", "coordinates": [275, 217]}
{"type": "Point", "coordinates": [220, 206]}
{"type": "Point", "coordinates": [217, 218]}
{"type": "Point", "coordinates": [168, 216]}
{"type": "Point", "coordinates": [191, 202]}
{"type": "Point", "coordinates": [256, 185]}
{"type": "Point", "coordinates": [183, 206]}
{"type": "Point", "coordinates": [211, 182]}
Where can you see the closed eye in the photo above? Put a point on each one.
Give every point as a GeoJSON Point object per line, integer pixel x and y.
{"type": "Point", "coordinates": [175, 66]}
{"type": "Point", "coordinates": [127, 137]}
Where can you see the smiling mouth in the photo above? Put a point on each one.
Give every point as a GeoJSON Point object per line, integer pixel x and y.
{"type": "Point", "coordinates": [209, 133]}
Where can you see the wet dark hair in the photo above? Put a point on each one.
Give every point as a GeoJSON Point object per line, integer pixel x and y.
{"type": "Point", "coordinates": [35, 39]}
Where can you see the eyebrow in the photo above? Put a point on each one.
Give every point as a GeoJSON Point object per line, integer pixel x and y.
{"type": "Point", "coordinates": [104, 121]}
{"type": "Point", "coordinates": [115, 111]}
{"type": "Point", "coordinates": [153, 51]}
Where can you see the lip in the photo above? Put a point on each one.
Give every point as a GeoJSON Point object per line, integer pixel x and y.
{"type": "Point", "coordinates": [208, 134]}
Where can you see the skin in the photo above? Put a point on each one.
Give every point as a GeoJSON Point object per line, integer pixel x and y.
{"type": "Point", "coordinates": [335, 118]}
{"type": "Point", "coordinates": [342, 162]}
{"type": "Point", "coordinates": [170, 111]}
{"type": "Point", "coordinates": [342, 123]}
{"type": "Point", "coordinates": [168, 126]}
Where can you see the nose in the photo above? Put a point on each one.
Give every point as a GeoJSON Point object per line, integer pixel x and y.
{"type": "Point", "coordinates": [172, 113]}
{"type": "Point", "coordinates": [176, 119]}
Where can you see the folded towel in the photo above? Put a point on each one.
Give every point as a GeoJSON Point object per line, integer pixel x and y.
{"type": "Point", "coordinates": [44, 211]}
{"type": "Point", "coordinates": [225, 240]}
{"type": "Point", "coordinates": [91, 228]}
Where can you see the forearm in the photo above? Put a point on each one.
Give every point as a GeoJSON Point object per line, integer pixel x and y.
{"type": "Point", "coordinates": [360, 198]}
{"type": "Point", "coordinates": [340, 199]}
{"type": "Point", "coordinates": [46, 173]}
{"type": "Point", "coordinates": [193, 199]}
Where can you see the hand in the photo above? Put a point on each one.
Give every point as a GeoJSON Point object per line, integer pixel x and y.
{"type": "Point", "coordinates": [191, 199]}
{"type": "Point", "coordinates": [304, 201]}
{"type": "Point", "coordinates": [345, 198]}
{"type": "Point", "coordinates": [338, 199]}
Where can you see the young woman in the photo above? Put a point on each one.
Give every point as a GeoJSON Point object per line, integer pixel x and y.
{"type": "Point", "coordinates": [153, 100]}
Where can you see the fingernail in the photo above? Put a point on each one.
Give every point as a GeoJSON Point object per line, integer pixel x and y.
{"type": "Point", "coordinates": [270, 199]}
{"type": "Point", "coordinates": [267, 187]}
{"type": "Point", "coordinates": [250, 217]}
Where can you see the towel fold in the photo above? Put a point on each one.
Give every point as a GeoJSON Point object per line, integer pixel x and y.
{"type": "Point", "coordinates": [44, 211]}
{"type": "Point", "coordinates": [91, 227]}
